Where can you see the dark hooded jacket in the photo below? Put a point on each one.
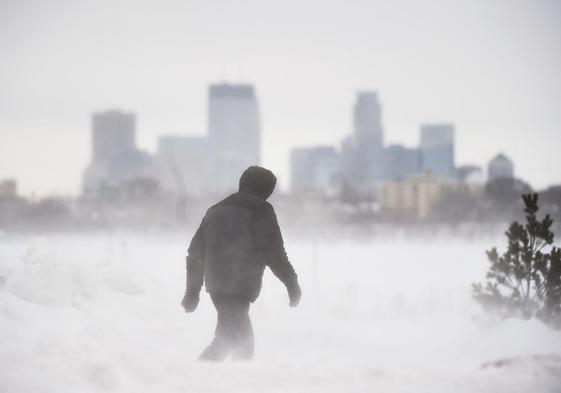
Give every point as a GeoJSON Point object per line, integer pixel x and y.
{"type": "Point", "coordinates": [237, 239]}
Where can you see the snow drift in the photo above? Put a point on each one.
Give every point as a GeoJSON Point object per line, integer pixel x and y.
{"type": "Point", "coordinates": [101, 313]}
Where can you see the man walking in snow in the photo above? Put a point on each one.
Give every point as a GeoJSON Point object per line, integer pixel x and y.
{"type": "Point", "coordinates": [237, 239]}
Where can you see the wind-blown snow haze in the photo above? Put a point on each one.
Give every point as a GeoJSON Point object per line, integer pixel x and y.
{"type": "Point", "coordinates": [102, 313]}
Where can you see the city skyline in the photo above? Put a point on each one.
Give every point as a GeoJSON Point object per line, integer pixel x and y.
{"type": "Point", "coordinates": [210, 164]}
{"type": "Point", "coordinates": [489, 68]}
{"type": "Point", "coordinates": [113, 138]}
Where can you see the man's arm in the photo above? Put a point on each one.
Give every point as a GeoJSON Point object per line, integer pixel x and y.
{"type": "Point", "coordinates": [195, 271]}
{"type": "Point", "coordinates": [272, 245]}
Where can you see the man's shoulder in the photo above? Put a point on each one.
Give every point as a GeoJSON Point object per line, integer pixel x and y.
{"type": "Point", "coordinates": [243, 200]}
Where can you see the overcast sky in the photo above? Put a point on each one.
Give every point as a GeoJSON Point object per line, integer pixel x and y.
{"type": "Point", "coordinates": [493, 68]}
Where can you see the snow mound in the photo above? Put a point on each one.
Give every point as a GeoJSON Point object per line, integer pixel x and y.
{"type": "Point", "coordinates": [49, 277]}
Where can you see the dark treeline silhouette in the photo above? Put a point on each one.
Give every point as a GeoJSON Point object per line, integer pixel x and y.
{"type": "Point", "coordinates": [139, 204]}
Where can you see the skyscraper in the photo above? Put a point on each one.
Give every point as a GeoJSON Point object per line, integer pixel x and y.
{"type": "Point", "coordinates": [115, 157]}
{"type": "Point", "coordinates": [401, 162]}
{"type": "Point", "coordinates": [437, 149]}
{"type": "Point", "coordinates": [362, 153]}
{"type": "Point", "coordinates": [113, 134]}
{"type": "Point", "coordinates": [313, 169]}
{"type": "Point", "coordinates": [234, 133]}
{"type": "Point", "coordinates": [500, 167]}
{"type": "Point", "coordinates": [367, 117]}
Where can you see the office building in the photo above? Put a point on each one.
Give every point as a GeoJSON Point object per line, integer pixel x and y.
{"type": "Point", "coordinates": [313, 169]}
{"type": "Point", "coordinates": [437, 150]}
{"type": "Point", "coordinates": [414, 197]}
{"type": "Point", "coordinates": [115, 157]}
{"type": "Point", "coordinates": [362, 154]}
{"type": "Point", "coordinates": [500, 167]}
{"type": "Point", "coordinates": [401, 162]}
{"type": "Point", "coordinates": [234, 133]}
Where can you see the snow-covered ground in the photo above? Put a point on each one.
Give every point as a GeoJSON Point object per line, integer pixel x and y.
{"type": "Point", "coordinates": [101, 313]}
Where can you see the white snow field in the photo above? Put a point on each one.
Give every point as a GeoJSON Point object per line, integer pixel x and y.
{"type": "Point", "coordinates": [97, 313]}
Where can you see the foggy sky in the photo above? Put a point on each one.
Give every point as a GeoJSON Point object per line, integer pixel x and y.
{"type": "Point", "coordinates": [490, 67]}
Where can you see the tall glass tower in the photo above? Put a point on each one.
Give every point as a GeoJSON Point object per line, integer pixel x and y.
{"type": "Point", "coordinates": [234, 133]}
{"type": "Point", "coordinates": [437, 149]}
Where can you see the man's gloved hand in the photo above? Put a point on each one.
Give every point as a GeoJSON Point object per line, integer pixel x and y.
{"type": "Point", "coordinates": [190, 301]}
{"type": "Point", "coordinates": [294, 294]}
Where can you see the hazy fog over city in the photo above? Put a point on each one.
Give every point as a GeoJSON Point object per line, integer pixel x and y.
{"type": "Point", "coordinates": [491, 68]}
{"type": "Point", "coordinates": [326, 196]}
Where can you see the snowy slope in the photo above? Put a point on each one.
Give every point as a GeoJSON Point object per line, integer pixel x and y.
{"type": "Point", "coordinates": [101, 313]}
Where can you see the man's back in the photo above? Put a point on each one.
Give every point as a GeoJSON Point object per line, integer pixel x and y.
{"type": "Point", "coordinates": [234, 259]}
{"type": "Point", "coordinates": [238, 237]}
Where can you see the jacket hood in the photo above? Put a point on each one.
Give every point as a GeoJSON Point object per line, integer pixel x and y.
{"type": "Point", "coordinates": [258, 181]}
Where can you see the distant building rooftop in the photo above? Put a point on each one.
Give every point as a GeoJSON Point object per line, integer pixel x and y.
{"type": "Point", "coordinates": [227, 90]}
{"type": "Point", "coordinates": [501, 158]}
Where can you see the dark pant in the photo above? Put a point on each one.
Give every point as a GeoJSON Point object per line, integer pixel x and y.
{"type": "Point", "coordinates": [234, 333]}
